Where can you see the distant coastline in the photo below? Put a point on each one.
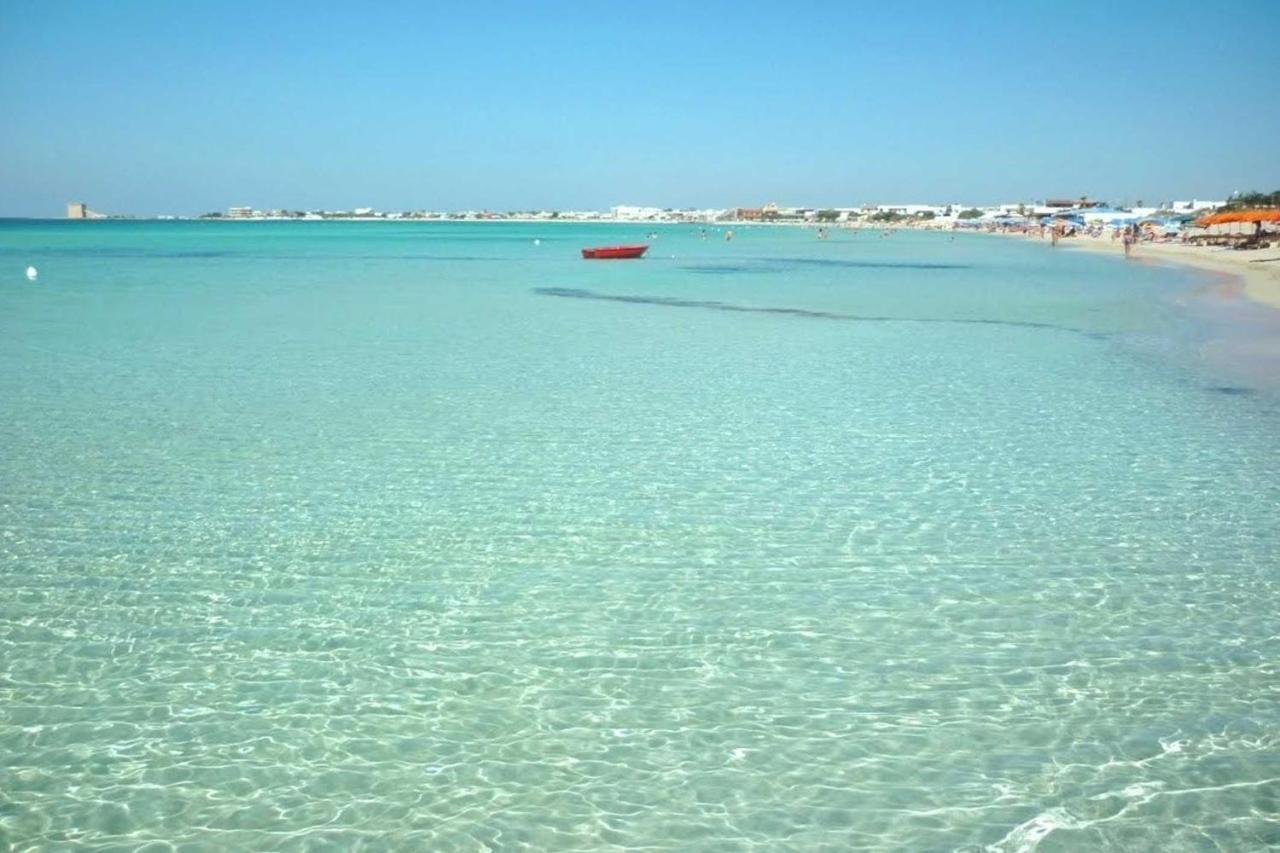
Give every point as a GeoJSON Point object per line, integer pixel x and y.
{"type": "Point", "coordinates": [1258, 270]}
{"type": "Point", "coordinates": [878, 214]}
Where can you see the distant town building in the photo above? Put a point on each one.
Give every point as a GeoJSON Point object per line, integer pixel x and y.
{"type": "Point", "coordinates": [80, 210]}
{"type": "Point", "coordinates": [240, 212]}
{"type": "Point", "coordinates": [1070, 203]}
{"type": "Point", "coordinates": [794, 214]}
{"type": "Point", "coordinates": [1195, 205]}
{"type": "Point", "coordinates": [767, 213]}
{"type": "Point", "coordinates": [634, 213]}
{"type": "Point", "coordinates": [913, 209]}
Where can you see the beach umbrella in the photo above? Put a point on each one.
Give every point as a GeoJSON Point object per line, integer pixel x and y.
{"type": "Point", "coordinates": [1266, 214]}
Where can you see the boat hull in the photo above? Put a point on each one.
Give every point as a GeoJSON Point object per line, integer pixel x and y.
{"type": "Point", "coordinates": [608, 253]}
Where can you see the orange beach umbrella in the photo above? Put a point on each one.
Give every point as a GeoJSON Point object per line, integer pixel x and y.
{"type": "Point", "coordinates": [1266, 214]}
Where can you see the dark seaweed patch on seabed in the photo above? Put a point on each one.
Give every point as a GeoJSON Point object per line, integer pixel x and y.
{"type": "Point", "coordinates": [109, 252]}
{"type": "Point", "coordinates": [208, 254]}
{"type": "Point", "coordinates": [712, 305]}
{"type": "Point", "coordinates": [724, 269]}
{"type": "Point", "coordinates": [873, 265]}
{"type": "Point", "coordinates": [388, 257]}
{"type": "Point", "coordinates": [770, 265]}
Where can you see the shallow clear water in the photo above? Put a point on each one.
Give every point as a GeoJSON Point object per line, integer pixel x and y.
{"type": "Point", "coordinates": [366, 534]}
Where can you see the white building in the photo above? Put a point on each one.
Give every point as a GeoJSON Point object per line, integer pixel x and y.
{"type": "Point", "coordinates": [694, 215]}
{"type": "Point", "coordinates": [635, 214]}
{"type": "Point", "coordinates": [1195, 205]}
{"type": "Point", "coordinates": [1106, 216]}
{"type": "Point", "coordinates": [911, 209]}
{"type": "Point", "coordinates": [915, 209]}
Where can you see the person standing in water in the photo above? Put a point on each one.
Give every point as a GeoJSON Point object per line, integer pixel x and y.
{"type": "Point", "coordinates": [1128, 239]}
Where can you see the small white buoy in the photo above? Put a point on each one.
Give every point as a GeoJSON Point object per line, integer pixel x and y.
{"type": "Point", "coordinates": [537, 242]}
{"type": "Point", "coordinates": [32, 273]}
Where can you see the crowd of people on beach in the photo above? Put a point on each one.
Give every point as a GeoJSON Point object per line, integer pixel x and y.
{"type": "Point", "coordinates": [1130, 234]}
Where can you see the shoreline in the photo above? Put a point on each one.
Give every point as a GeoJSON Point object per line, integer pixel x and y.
{"type": "Point", "coordinates": [1243, 308]}
{"type": "Point", "coordinates": [1258, 270]}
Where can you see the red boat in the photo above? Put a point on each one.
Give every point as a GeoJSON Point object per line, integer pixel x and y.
{"type": "Point", "coordinates": [601, 253]}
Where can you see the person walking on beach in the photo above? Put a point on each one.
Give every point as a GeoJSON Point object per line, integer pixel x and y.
{"type": "Point", "coordinates": [1128, 239]}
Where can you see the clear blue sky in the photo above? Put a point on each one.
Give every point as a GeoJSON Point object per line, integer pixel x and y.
{"type": "Point", "coordinates": [176, 107]}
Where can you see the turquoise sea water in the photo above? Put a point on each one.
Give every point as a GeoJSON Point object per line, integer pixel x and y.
{"type": "Point", "coordinates": [425, 536]}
